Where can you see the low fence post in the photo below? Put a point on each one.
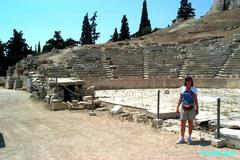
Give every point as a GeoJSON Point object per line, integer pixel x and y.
{"type": "Point", "coordinates": [158, 103]}
{"type": "Point", "coordinates": [218, 119]}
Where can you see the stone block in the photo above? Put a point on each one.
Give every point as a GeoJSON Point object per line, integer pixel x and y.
{"type": "Point", "coordinates": [87, 98]}
{"type": "Point", "coordinates": [139, 117]}
{"type": "Point", "coordinates": [157, 123]}
{"type": "Point", "coordinates": [9, 83]}
{"type": "Point", "coordinates": [75, 103]}
{"type": "Point", "coordinates": [86, 105]}
{"type": "Point", "coordinates": [117, 109]}
{"type": "Point", "coordinates": [2, 81]}
{"type": "Point", "coordinates": [231, 136]}
{"type": "Point", "coordinates": [102, 109]}
{"type": "Point", "coordinates": [219, 143]}
{"type": "Point", "coordinates": [58, 105]}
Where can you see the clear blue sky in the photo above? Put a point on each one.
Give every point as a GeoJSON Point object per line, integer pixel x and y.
{"type": "Point", "coordinates": [38, 19]}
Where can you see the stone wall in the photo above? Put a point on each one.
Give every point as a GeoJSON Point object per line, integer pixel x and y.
{"type": "Point", "coordinates": [162, 83]}
{"type": "Point", "coordinates": [2, 81]}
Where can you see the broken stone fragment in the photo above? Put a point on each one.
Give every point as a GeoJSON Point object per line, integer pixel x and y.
{"type": "Point", "coordinates": [85, 105]}
{"type": "Point", "coordinates": [117, 109]}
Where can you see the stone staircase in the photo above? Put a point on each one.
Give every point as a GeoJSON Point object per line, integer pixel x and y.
{"type": "Point", "coordinates": [106, 67]}
{"type": "Point", "coordinates": [145, 65]}
{"type": "Point", "coordinates": [182, 71]}
{"type": "Point", "coordinates": [223, 67]}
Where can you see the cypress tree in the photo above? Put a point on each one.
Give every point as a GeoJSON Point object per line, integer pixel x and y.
{"type": "Point", "coordinates": [2, 59]}
{"type": "Point", "coordinates": [185, 11]}
{"type": "Point", "coordinates": [115, 36]}
{"type": "Point", "coordinates": [124, 33]}
{"type": "Point", "coordinates": [95, 34]}
{"type": "Point", "coordinates": [145, 25]}
{"type": "Point", "coordinates": [39, 47]}
{"type": "Point", "coordinates": [86, 37]}
{"type": "Point", "coordinates": [35, 47]}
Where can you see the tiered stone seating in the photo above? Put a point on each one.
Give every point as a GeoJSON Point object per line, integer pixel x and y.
{"type": "Point", "coordinates": [205, 62]}
{"type": "Point", "coordinates": [233, 65]}
{"type": "Point", "coordinates": [164, 61]}
{"type": "Point", "coordinates": [87, 64]}
{"type": "Point", "coordinates": [125, 65]}
{"type": "Point", "coordinates": [55, 71]}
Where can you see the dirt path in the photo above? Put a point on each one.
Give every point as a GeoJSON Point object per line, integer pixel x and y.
{"type": "Point", "coordinates": [30, 131]}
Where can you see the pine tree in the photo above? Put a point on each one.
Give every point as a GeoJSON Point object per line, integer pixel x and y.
{"type": "Point", "coordinates": [95, 34]}
{"type": "Point", "coordinates": [70, 42]}
{"type": "Point", "coordinates": [185, 11]}
{"type": "Point", "coordinates": [115, 36]}
{"type": "Point", "coordinates": [49, 45]}
{"type": "Point", "coordinates": [2, 59]}
{"type": "Point", "coordinates": [16, 48]}
{"type": "Point", "coordinates": [39, 47]}
{"type": "Point", "coordinates": [145, 25]}
{"type": "Point", "coordinates": [86, 37]}
{"type": "Point", "coordinates": [124, 33]}
{"type": "Point", "coordinates": [59, 42]}
{"type": "Point", "coordinates": [55, 42]}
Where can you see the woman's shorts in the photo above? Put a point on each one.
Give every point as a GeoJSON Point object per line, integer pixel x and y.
{"type": "Point", "coordinates": [187, 115]}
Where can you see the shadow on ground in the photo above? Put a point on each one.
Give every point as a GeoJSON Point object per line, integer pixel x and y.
{"type": "Point", "coordinates": [201, 143]}
{"type": "Point", "coordinates": [2, 142]}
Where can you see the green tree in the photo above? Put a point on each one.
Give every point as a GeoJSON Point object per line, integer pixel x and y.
{"type": "Point", "coordinates": [16, 48]}
{"type": "Point", "coordinates": [59, 42]}
{"type": "Point", "coordinates": [70, 42]}
{"type": "Point", "coordinates": [115, 36]}
{"type": "Point", "coordinates": [2, 59]}
{"type": "Point", "coordinates": [185, 11]}
{"type": "Point", "coordinates": [145, 25]}
{"type": "Point", "coordinates": [49, 45]}
{"type": "Point", "coordinates": [124, 33]}
{"type": "Point", "coordinates": [95, 34]}
{"type": "Point", "coordinates": [86, 37]}
{"type": "Point", "coordinates": [35, 48]}
{"type": "Point", "coordinates": [39, 47]}
{"type": "Point", "coordinates": [55, 42]}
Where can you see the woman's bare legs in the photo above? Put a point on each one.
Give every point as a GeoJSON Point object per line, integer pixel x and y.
{"type": "Point", "coordinates": [190, 127]}
{"type": "Point", "coordinates": [183, 125]}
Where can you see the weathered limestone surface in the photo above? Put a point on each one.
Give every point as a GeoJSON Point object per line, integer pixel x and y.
{"type": "Point", "coordinates": [232, 136]}
{"type": "Point", "coordinates": [221, 5]}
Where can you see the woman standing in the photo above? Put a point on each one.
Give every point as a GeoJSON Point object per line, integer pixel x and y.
{"type": "Point", "coordinates": [189, 108]}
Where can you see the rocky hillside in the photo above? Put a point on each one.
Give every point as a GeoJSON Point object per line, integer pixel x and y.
{"type": "Point", "coordinates": [222, 5]}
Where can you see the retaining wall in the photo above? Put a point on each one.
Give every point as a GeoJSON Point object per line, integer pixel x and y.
{"type": "Point", "coordinates": [162, 83]}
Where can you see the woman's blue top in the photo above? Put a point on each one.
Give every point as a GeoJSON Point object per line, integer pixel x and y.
{"type": "Point", "coordinates": [188, 95]}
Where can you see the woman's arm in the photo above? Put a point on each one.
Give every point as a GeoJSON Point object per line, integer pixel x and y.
{"type": "Point", "coordinates": [196, 103]}
{"type": "Point", "coordinates": [179, 102]}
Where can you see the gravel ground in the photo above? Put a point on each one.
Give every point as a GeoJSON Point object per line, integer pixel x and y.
{"type": "Point", "coordinates": [30, 131]}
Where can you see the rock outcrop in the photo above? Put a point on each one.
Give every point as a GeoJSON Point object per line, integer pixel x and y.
{"type": "Point", "coordinates": [222, 5]}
